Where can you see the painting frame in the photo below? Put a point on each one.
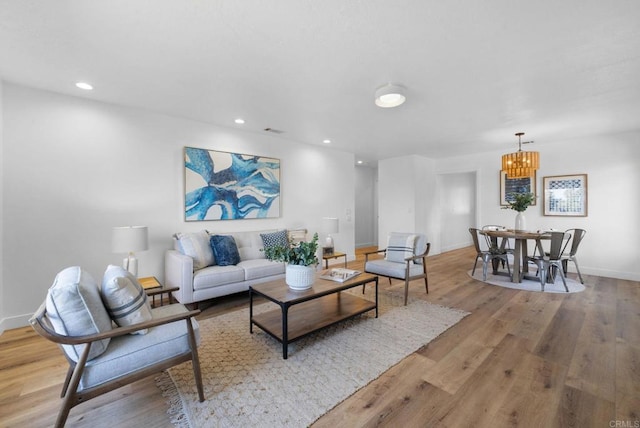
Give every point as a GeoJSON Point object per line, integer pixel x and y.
{"type": "Point", "coordinates": [220, 185]}
{"type": "Point", "coordinates": [517, 185]}
{"type": "Point", "coordinates": [565, 195]}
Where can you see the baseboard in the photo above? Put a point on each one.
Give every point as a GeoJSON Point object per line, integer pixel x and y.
{"type": "Point", "coordinates": [14, 322]}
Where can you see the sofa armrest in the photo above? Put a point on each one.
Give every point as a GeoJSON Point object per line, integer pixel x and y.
{"type": "Point", "coordinates": [178, 272]}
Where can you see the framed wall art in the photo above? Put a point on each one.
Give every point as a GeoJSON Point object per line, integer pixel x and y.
{"type": "Point", "coordinates": [509, 186]}
{"type": "Point", "coordinates": [565, 195]}
{"type": "Point", "coordinates": [230, 186]}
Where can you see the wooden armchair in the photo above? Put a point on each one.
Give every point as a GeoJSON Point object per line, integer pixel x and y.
{"type": "Point", "coordinates": [405, 259]}
{"type": "Point", "coordinates": [113, 357]}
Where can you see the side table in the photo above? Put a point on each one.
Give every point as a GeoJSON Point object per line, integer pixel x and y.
{"type": "Point", "coordinates": [153, 288]}
{"type": "Point", "coordinates": [333, 255]}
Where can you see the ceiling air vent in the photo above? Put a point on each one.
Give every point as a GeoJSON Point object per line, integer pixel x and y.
{"type": "Point", "coordinates": [275, 131]}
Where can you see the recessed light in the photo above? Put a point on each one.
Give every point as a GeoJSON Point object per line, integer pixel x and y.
{"type": "Point", "coordinates": [85, 86]}
{"type": "Point", "coordinates": [360, 162]}
{"type": "Point", "coordinates": [239, 121]}
{"type": "Point", "coordinates": [326, 141]}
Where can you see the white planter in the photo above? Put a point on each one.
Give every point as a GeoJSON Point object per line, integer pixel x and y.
{"type": "Point", "coordinates": [521, 222]}
{"type": "Point", "coordinates": [299, 277]}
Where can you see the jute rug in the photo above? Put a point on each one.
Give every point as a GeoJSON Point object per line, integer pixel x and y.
{"type": "Point", "coordinates": [247, 383]}
{"type": "Point", "coordinates": [528, 284]}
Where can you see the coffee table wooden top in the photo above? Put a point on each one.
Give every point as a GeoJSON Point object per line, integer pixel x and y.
{"type": "Point", "coordinates": [278, 290]}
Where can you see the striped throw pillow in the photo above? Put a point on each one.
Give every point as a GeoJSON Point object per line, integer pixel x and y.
{"type": "Point", "coordinates": [124, 298]}
{"type": "Point", "coordinates": [400, 246]}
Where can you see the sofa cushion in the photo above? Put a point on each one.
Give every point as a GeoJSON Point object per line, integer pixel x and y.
{"type": "Point", "coordinates": [275, 239]}
{"type": "Point", "coordinates": [75, 308]}
{"type": "Point", "coordinates": [214, 276]}
{"type": "Point", "coordinates": [225, 250]}
{"type": "Point", "coordinates": [124, 298]}
{"type": "Point", "coordinates": [129, 353]}
{"type": "Point", "coordinates": [196, 245]}
{"type": "Point", "coordinates": [250, 244]}
{"type": "Point", "coordinates": [260, 268]}
{"type": "Point", "coordinates": [400, 246]}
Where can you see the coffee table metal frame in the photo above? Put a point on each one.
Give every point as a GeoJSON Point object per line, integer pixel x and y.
{"type": "Point", "coordinates": [304, 312]}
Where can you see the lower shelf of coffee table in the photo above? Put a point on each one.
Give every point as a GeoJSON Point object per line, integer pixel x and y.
{"type": "Point", "coordinates": [308, 317]}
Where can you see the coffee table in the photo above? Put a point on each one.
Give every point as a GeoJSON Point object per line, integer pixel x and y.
{"type": "Point", "coordinates": [301, 313]}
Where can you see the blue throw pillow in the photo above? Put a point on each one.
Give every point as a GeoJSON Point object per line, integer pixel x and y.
{"type": "Point", "coordinates": [225, 250]}
{"type": "Point", "coordinates": [275, 239]}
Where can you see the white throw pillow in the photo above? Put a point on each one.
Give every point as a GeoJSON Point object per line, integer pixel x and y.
{"type": "Point", "coordinates": [196, 245]}
{"type": "Point", "coordinates": [400, 246]}
{"type": "Point", "coordinates": [75, 308]}
{"type": "Point", "coordinates": [124, 298]}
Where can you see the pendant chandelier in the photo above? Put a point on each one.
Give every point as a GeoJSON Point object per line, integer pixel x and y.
{"type": "Point", "coordinates": [520, 164]}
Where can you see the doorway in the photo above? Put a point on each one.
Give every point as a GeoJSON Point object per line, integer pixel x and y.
{"type": "Point", "coordinates": [457, 209]}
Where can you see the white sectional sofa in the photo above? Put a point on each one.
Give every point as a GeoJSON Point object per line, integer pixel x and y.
{"type": "Point", "coordinates": [190, 267]}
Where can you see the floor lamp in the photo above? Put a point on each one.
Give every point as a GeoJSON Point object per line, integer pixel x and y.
{"type": "Point", "coordinates": [129, 239]}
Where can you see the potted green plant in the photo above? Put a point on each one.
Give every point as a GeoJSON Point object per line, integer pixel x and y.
{"type": "Point", "coordinates": [300, 258]}
{"type": "Point", "coordinates": [520, 202]}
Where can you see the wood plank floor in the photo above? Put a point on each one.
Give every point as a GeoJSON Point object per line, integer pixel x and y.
{"type": "Point", "coordinates": [520, 359]}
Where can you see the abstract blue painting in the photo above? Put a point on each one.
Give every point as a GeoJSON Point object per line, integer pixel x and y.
{"type": "Point", "coordinates": [230, 186]}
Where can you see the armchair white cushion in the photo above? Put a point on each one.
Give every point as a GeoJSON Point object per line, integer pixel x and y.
{"type": "Point", "coordinates": [407, 262]}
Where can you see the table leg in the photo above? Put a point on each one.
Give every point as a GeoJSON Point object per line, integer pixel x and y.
{"type": "Point", "coordinates": [376, 297]}
{"type": "Point", "coordinates": [516, 261]}
{"type": "Point", "coordinates": [285, 331]}
{"type": "Point", "coordinates": [250, 310]}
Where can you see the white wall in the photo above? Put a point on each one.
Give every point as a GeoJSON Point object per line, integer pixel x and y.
{"type": "Point", "coordinates": [74, 168]}
{"type": "Point", "coordinates": [407, 197]}
{"type": "Point", "coordinates": [612, 163]}
{"type": "Point", "coordinates": [3, 301]}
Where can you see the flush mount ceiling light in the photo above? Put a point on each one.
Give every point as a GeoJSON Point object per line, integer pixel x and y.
{"type": "Point", "coordinates": [326, 141]}
{"type": "Point", "coordinates": [84, 85]}
{"type": "Point", "coordinates": [390, 95]}
{"type": "Point", "coordinates": [520, 164]}
{"type": "Point", "coordinates": [239, 121]}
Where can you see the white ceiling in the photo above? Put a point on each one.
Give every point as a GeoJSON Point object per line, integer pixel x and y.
{"type": "Point", "coordinates": [476, 72]}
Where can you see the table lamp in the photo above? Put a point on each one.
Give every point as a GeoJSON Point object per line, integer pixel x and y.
{"type": "Point", "coordinates": [329, 226]}
{"type": "Point", "coordinates": [129, 239]}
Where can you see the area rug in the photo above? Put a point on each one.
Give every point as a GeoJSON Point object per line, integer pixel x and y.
{"type": "Point", "coordinates": [248, 383]}
{"type": "Point", "coordinates": [528, 284]}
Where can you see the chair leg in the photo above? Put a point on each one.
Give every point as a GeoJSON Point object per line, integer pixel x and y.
{"type": "Point", "coordinates": [406, 290]}
{"type": "Point", "coordinates": [195, 360]}
{"type": "Point", "coordinates": [484, 269]}
{"type": "Point", "coordinates": [563, 275]}
{"type": "Point", "coordinates": [542, 270]}
{"type": "Point", "coordinates": [474, 266]}
{"type": "Point", "coordinates": [575, 262]}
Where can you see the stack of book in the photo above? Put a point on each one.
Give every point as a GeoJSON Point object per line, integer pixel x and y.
{"type": "Point", "coordinates": [339, 274]}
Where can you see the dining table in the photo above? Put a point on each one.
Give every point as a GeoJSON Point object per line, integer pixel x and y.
{"type": "Point", "coordinates": [520, 251]}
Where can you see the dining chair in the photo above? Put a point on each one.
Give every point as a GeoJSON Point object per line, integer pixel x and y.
{"type": "Point", "coordinates": [551, 259]}
{"type": "Point", "coordinates": [577, 236]}
{"type": "Point", "coordinates": [505, 244]}
{"type": "Point", "coordinates": [487, 255]}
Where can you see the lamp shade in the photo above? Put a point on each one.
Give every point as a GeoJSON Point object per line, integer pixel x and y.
{"type": "Point", "coordinates": [390, 95]}
{"type": "Point", "coordinates": [129, 239]}
{"type": "Point", "coordinates": [329, 225]}
{"type": "Point", "coordinates": [520, 164]}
